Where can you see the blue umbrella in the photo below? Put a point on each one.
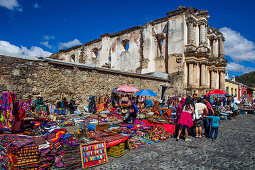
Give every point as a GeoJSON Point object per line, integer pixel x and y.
{"type": "Point", "coordinates": [146, 92]}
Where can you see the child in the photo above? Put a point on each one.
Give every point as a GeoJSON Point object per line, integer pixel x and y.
{"type": "Point", "coordinates": [215, 125]}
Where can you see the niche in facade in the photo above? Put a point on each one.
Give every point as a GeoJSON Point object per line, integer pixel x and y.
{"type": "Point", "coordinates": [95, 53]}
{"type": "Point", "coordinates": [125, 44]}
{"type": "Point", "coordinates": [160, 40]}
{"type": "Point", "coordinates": [72, 58]}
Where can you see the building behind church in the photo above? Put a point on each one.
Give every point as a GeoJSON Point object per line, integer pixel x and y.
{"type": "Point", "coordinates": [182, 43]}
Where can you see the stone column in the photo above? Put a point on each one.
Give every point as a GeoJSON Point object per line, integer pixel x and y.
{"type": "Point", "coordinates": [215, 48]}
{"type": "Point", "coordinates": [191, 37]}
{"type": "Point", "coordinates": [191, 22]}
{"type": "Point", "coordinates": [217, 85]}
{"type": "Point", "coordinates": [202, 34]}
{"type": "Point", "coordinates": [203, 73]}
{"type": "Point", "coordinates": [191, 78]}
{"type": "Point", "coordinates": [222, 80]}
{"type": "Point", "coordinates": [213, 80]}
{"type": "Point", "coordinates": [221, 47]}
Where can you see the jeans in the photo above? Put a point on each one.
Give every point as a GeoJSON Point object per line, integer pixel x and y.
{"type": "Point", "coordinates": [207, 126]}
{"type": "Point", "coordinates": [215, 130]}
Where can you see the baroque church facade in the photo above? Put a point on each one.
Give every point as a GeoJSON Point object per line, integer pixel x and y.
{"type": "Point", "coordinates": [180, 44]}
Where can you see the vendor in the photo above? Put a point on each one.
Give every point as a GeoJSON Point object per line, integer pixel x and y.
{"type": "Point", "coordinates": [133, 114]}
{"type": "Point", "coordinates": [64, 103]}
{"type": "Point", "coordinates": [125, 104]}
{"type": "Point", "coordinates": [29, 101]}
{"type": "Point", "coordinates": [72, 106]}
{"type": "Point", "coordinates": [39, 101]}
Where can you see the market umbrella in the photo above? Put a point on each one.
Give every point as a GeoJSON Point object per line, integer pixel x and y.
{"type": "Point", "coordinates": [146, 92]}
{"type": "Point", "coordinates": [117, 92]}
{"type": "Point", "coordinates": [127, 89]}
{"type": "Point", "coordinates": [216, 92]}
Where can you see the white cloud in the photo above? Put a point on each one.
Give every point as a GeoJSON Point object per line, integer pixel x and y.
{"type": "Point", "coordinates": [6, 48]}
{"type": "Point", "coordinates": [235, 67]}
{"type": "Point", "coordinates": [49, 37]}
{"type": "Point", "coordinates": [69, 44]}
{"type": "Point", "coordinates": [11, 4]}
{"type": "Point", "coordinates": [238, 47]}
{"type": "Point", "coordinates": [46, 44]}
{"type": "Point", "coordinates": [36, 5]}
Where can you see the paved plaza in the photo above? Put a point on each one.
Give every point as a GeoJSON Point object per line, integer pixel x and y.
{"type": "Point", "coordinates": [234, 149]}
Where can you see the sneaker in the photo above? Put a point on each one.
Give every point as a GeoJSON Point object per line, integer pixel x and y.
{"type": "Point", "coordinates": [187, 140]}
{"type": "Point", "coordinates": [177, 138]}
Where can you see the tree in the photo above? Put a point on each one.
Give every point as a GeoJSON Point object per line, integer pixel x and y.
{"type": "Point", "coordinates": [247, 79]}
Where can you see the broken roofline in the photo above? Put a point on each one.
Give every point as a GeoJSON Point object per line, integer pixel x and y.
{"type": "Point", "coordinates": [104, 35]}
{"type": "Point", "coordinates": [170, 14]}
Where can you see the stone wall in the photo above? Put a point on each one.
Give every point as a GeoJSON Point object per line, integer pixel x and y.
{"type": "Point", "coordinates": [52, 79]}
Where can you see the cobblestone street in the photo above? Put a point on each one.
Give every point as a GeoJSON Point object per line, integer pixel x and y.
{"type": "Point", "coordinates": [234, 149]}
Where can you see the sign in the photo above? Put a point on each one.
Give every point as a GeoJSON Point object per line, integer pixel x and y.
{"type": "Point", "coordinates": [93, 154]}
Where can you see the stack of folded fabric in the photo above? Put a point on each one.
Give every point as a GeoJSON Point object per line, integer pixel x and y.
{"type": "Point", "coordinates": [4, 161]}
{"type": "Point", "coordinates": [23, 152]}
{"type": "Point", "coordinates": [71, 156]}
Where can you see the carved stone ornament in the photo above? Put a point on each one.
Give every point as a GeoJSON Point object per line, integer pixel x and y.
{"type": "Point", "coordinates": [178, 60]}
{"type": "Point", "coordinates": [203, 49]}
{"type": "Point", "coordinates": [191, 20]}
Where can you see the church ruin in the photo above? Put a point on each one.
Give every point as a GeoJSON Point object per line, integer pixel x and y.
{"type": "Point", "coordinates": [182, 44]}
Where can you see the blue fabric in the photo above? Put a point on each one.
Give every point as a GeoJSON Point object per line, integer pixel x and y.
{"type": "Point", "coordinates": [215, 130]}
{"type": "Point", "coordinates": [135, 109]}
{"type": "Point", "coordinates": [215, 120]}
{"type": "Point", "coordinates": [235, 107]}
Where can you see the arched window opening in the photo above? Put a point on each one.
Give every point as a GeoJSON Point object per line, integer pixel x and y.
{"type": "Point", "coordinates": [125, 44]}
{"type": "Point", "coordinates": [72, 58]}
{"type": "Point", "coordinates": [95, 53]}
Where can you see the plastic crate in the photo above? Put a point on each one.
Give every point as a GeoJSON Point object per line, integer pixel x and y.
{"type": "Point", "coordinates": [116, 151]}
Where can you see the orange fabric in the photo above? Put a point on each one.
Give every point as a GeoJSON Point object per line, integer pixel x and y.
{"type": "Point", "coordinates": [58, 135]}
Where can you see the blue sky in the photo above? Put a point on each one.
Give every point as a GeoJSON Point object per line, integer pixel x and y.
{"type": "Point", "coordinates": [41, 27]}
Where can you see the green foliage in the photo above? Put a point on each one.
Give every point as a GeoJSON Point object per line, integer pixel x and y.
{"type": "Point", "coordinates": [247, 79]}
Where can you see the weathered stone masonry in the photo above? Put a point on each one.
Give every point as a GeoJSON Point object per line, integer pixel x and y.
{"type": "Point", "coordinates": [52, 78]}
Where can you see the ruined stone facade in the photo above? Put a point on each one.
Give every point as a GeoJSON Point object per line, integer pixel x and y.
{"type": "Point", "coordinates": [182, 43]}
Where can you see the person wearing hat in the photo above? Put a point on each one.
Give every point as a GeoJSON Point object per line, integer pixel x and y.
{"type": "Point", "coordinates": [39, 101]}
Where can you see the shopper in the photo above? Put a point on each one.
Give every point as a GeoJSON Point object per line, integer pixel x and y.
{"type": "Point", "coordinates": [179, 108]}
{"type": "Point", "coordinates": [198, 116]}
{"type": "Point", "coordinates": [215, 126]}
{"type": "Point", "coordinates": [234, 110]}
{"type": "Point", "coordinates": [206, 120]}
{"type": "Point", "coordinates": [185, 119]}
{"type": "Point", "coordinates": [194, 98]}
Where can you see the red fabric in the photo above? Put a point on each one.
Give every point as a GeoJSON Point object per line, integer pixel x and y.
{"type": "Point", "coordinates": [168, 127]}
{"type": "Point", "coordinates": [116, 142]}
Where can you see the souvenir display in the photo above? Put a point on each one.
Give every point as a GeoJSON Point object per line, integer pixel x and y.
{"type": "Point", "coordinates": [93, 154]}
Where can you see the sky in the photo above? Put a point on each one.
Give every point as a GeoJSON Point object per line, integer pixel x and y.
{"type": "Point", "coordinates": [41, 27]}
